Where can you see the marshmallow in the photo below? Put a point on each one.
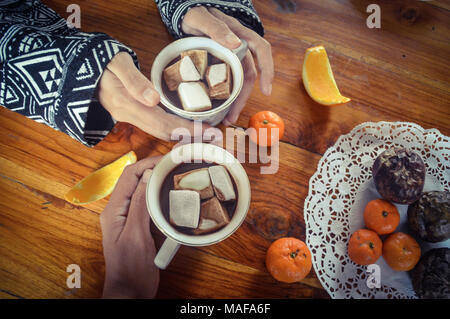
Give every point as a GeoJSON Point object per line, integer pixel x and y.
{"type": "Point", "coordinates": [212, 216]}
{"type": "Point", "coordinates": [194, 96]}
{"type": "Point", "coordinates": [200, 59]}
{"type": "Point", "coordinates": [197, 180]}
{"type": "Point", "coordinates": [182, 71]}
{"type": "Point", "coordinates": [218, 77]}
{"type": "Point", "coordinates": [222, 184]}
{"type": "Point", "coordinates": [184, 208]}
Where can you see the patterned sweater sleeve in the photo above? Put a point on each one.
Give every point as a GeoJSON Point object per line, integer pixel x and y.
{"type": "Point", "coordinates": [49, 71]}
{"type": "Point", "coordinates": [173, 11]}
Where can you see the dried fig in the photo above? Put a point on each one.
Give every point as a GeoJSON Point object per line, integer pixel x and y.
{"type": "Point", "coordinates": [431, 276]}
{"type": "Point", "coordinates": [399, 175]}
{"type": "Point", "coordinates": [429, 217]}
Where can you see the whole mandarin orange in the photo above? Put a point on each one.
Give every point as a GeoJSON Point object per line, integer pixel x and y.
{"type": "Point", "coordinates": [288, 260]}
{"type": "Point", "coordinates": [401, 251]}
{"type": "Point", "coordinates": [381, 216]}
{"type": "Point", "coordinates": [364, 247]}
{"type": "Point", "coordinates": [267, 128]}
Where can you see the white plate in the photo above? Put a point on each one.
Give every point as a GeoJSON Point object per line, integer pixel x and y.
{"type": "Point", "coordinates": [341, 188]}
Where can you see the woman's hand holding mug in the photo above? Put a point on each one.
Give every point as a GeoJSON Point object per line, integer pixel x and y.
{"type": "Point", "coordinates": [131, 97]}
{"type": "Point", "coordinates": [228, 31]}
{"type": "Point", "coordinates": [128, 245]}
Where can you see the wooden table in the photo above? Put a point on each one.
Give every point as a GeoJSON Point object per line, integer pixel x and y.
{"type": "Point", "coordinates": [397, 73]}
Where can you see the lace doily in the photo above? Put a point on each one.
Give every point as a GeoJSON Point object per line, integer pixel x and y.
{"type": "Point", "coordinates": [341, 188]}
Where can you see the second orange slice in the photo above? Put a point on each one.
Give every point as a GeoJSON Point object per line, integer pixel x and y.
{"type": "Point", "coordinates": [100, 183]}
{"type": "Point", "coordinates": [318, 78]}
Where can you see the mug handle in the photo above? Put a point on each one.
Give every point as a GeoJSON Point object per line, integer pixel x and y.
{"type": "Point", "coordinates": [241, 50]}
{"type": "Point", "coordinates": [165, 254]}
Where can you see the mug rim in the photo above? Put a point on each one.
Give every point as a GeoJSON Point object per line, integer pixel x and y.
{"type": "Point", "coordinates": [165, 101]}
{"type": "Point", "coordinates": [207, 239]}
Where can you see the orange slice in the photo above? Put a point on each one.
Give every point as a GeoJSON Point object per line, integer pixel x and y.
{"type": "Point", "coordinates": [318, 78]}
{"type": "Point", "coordinates": [100, 183]}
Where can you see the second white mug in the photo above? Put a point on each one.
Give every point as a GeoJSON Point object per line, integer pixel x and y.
{"type": "Point", "coordinates": [175, 238]}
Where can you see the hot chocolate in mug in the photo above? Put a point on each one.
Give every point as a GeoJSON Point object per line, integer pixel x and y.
{"type": "Point", "coordinates": [187, 153]}
{"type": "Point", "coordinates": [231, 57]}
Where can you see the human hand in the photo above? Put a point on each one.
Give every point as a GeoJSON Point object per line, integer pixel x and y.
{"type": "Point", "coordinates": [228, 31]}
{"type": "Point", "coordinates": [130, 97]}
{"type": "Point", "coordinates": [128, 245]}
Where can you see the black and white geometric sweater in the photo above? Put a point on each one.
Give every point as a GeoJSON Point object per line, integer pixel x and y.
{"type": "Point", "coordinates": [49, 72]}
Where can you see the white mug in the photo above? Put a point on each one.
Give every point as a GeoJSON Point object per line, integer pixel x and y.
{"type": "Point", "coordinates": [175, 238]}
{"type": "Point", "coordinates": [231, 57]}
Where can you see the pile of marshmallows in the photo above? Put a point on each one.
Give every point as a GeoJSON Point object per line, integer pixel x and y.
{"type": "Point", "coordinates": [212, 184]}
{"type": "Point", "coordinates": [188, 75]}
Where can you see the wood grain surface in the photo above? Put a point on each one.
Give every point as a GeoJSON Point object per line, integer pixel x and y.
{"type": "Point", "coordinates": [399, 72]}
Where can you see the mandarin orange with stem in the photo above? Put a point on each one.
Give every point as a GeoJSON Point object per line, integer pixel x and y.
{"type": "Point", "coordinates": [364, 247]}
{"type": "Point", "coordinates": [288, 259]}
{"type": "Point", "coordinates": [381, 216]}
